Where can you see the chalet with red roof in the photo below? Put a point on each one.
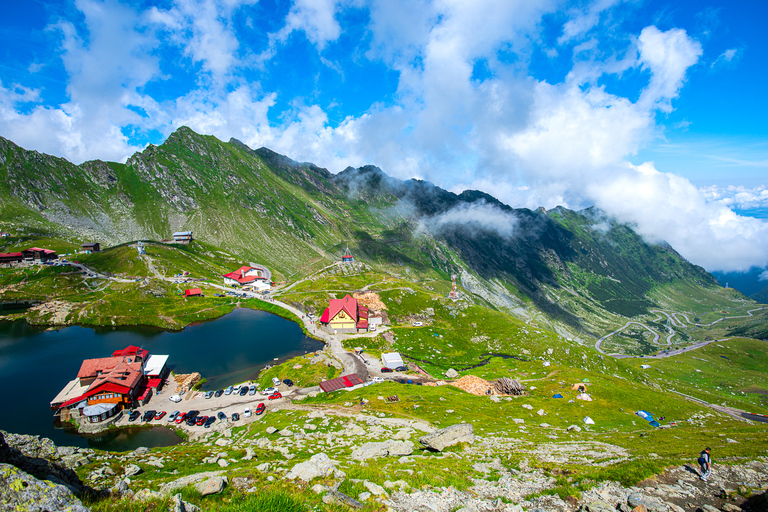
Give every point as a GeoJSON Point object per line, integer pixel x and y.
{"type": "Point", "coordinates": [256, 278]}
{"type": "Point", "coordinates": [345, 316]}
{"type": "Point", "coordinates": [9, 258]}
{"type": "Point", "coordinates": [37, 255]}
{"type": "Point", "coordinates": [105, 385]}
{"type": "Point", "coordinates": [193, 292]}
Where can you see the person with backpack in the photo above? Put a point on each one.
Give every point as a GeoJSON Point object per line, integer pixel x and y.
{"type": "Point", "coordinates": [705, 461]}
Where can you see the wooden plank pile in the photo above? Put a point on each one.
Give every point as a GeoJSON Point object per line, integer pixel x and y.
{"type": "Point", "coordinates": [474, 385]}
{"type": "Point", "coordinates": [507, 386]}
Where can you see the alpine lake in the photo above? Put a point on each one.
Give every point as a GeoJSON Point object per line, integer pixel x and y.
{"type": "Point", "coordinates": [36, 363]}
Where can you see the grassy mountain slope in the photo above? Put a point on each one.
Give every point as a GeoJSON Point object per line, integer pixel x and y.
{"type": "Point", "coordinates": [577, 272]}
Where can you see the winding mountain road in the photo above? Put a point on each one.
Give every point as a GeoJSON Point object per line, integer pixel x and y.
{"type": "Point", "coordinates": [672, 320]}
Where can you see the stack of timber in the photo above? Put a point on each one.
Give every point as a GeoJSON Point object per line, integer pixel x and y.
{"type": "Point", "coordinates": [507, 386]}
{"type": "Point", "coordinates": [474, 385]}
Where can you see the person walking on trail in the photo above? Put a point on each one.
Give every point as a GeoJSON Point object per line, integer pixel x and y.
{"type": "Point", "coordinates": [705, 461]}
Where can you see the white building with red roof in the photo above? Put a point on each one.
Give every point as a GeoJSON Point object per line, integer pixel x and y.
{"type": "Point", "coordinates": [256, 278]}
{"type": "Point", "coordinates": [345, 315]}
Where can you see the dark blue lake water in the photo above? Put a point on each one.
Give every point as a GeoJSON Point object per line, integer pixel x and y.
{"type": "Point", "coordinates": [36, 364]}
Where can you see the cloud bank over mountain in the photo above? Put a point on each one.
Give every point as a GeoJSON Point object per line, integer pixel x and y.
{"type": "Point", "coordinates": [463, 101]}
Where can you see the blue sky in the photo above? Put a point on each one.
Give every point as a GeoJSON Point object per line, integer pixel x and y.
{"type": "Point", "coordinates": [653, 111]}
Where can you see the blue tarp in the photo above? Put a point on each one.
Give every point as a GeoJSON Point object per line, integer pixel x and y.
{"type": "Point", "coordinates": [645, 415]}
{"type": "Point", "coordinates": [654, 423]}
{"type": "Point", "coordinates": [557, 396]}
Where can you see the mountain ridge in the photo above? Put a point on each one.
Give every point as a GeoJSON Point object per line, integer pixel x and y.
{"type": "Point", "coordinates": [298, 217]}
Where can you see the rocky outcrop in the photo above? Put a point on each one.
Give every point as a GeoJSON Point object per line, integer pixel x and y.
{"type": "Point", "coordinates": [449, 436]}
{"type": "Point", "coordinates": [318, 466]}
{"type": "Point", "coordinates": [21, 491]}
{"type": "Point", "coordinates": [40, 458]}
{"type": "Point", "coordinates": [195, 479]}
{"type": "Point", "coordinates": [383, 449]}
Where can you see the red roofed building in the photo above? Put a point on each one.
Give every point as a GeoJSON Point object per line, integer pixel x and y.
{"type": "Point", "coordinates": [245, 276]}
{"type": "Point", "coordinates": [37, 255]}
{"type": "Point", "coordinates": [10, 257]}
{"type": "Point", "coordinates": [345, 315]}
{"type": "Point", "coordinates": [194, 292]}
{"type": "Point", "coordinates": [107, 380]}
{"type": "Point", "coordinates": [345, 381]}
{"type": "Point", "coordinates": [133, 351]}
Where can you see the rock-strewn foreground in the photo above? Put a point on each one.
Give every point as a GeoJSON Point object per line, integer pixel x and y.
{"type": "Point", "coordinates": [37, 475]}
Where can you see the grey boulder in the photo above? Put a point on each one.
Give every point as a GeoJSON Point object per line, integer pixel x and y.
{"type": "Point", "coordinates": [383, 449]}
{"type": "Point", "coordinates": [449, 436]}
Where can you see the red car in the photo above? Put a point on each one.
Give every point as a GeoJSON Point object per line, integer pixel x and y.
{"type": "Point", "coordinates": [260, 408]}
{"type": "Point", "coordinates": [159, 415]}
{"type": "Point", "coordinates": [181, 417]}
{"type": "Point", "coordinates": [200, 420]}
{"type": "Point", "coordinates": [386, 370]}
{"type": "Point", "coordinates": [275, 396]}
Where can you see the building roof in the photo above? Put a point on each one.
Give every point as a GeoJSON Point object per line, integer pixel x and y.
{"type": "Point", "coordinates": [45, 251]}
{"type": "Point", "coordinates": [98, 409]}
{"type": "Point", "coordinates": [183, 233]}
{"type": "Point", "coordinates": [131, 350]}
{"type": "Point", "coordinates": [124, 374]}
{"type": "Point", "coordinates": [154, 383]}
{"type": "Point", "coordinates": [92, 367]}
{"type": "Point", "coordinates": [345, 381]}
{"type": "Point", "coordinates": [240, 276]}
{"type": "Point", "coordinates": [193, 291]}
{"type": "Point", "coordinates": [155, 365]}
{"type": "Point", "coordinates": [90, 244]}
{"type": "Point", "coordinates": [10, 255]}
{"type": "Point", "coordinates": [73, 389]}
{"type": "Point", "coordinates": [335, 306]}
{"type": "Point", "coordinates": [392, 359]}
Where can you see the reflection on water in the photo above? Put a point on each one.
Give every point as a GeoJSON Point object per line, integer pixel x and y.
{"type": "Point", "coordinates": [128, 438]}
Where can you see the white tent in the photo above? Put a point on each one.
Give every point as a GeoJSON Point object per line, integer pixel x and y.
{"type": "Point", "coordinates": [584, 396]}
{"type": "Point", "coordinates": [391, 360]}
{"type": "Point", "coordinates": [588, 420]}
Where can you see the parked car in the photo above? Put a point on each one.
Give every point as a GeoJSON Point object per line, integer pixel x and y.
{"type": "Point", "coordinates": [221, 416]}
{"type": "Point", "coordinates": [379, 379]}
{"type": "Point", "coordinates": [159, 415]}
{"type": "Point", "coordinates": [401, 369]}
{"type": "Point", "coordinates": [180, 418]}
{"type": "Point", "coordinates": [247, 412]}
{"type": "Point", "coordinates": [236, 389]}
{"type": "Point", "coordinates": [269, 391]}
{"type": "Point", "coordinates": [190, 421]}
{"type": "Point", "coordinates": [208, 394]}
{"type": "Point", "coordinates": [235, 416]}
{"type": "Point", "coordinates": [418, 324]}
{"type": "Point", "coordinates": [193, 414]}
{"type": "Point", "coordinates": [275, 381]}
{"type": "Point", "coordinates": [200, 420]}
{"type": "Point", "coordinates": [174, 398]}
{"type": "Point", "coordinates": [386, 370]}
{"type": "Point", "coordinates": [260, 408]}
{"type": "Point", "coordinates": [252, 390]}
{"type": "Point", "coordinates": [209, 421]}
{"type": "Point", "coordinates": [133, 415]}
{"type": "Point", "coordinates": [275, 396]}
{"type": "Point", "coordinates": [228, 391]}
{"type": "Point", "coordinates": [148, 416]}
{"type": "Point", "coordinates": [288, 382]}
{"type": "Point", "coordinates": [218, 393]}
{"type": "Point", "coordinates": [244, 390]}
{"type": "Point", "coordinates": [172, 416]}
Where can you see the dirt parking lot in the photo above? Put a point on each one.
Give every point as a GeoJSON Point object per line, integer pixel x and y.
{"type": "Point", "coordinates": [208, 407]}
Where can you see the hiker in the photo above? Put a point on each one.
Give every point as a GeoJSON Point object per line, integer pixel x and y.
{"type": "Point", "coordinates": [705, 461]}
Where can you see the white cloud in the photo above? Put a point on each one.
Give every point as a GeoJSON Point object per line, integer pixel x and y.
{"type": "Point", "coordinates": [475, 216]}
{"type": "Point", "coordinates": [668, 55]}
{"type": "Point", "coordinates": [726, 56]}
{"type": "Point", "coordinates": [764, 276]}
{"type": "Point", "coordinates": [737, 196]}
